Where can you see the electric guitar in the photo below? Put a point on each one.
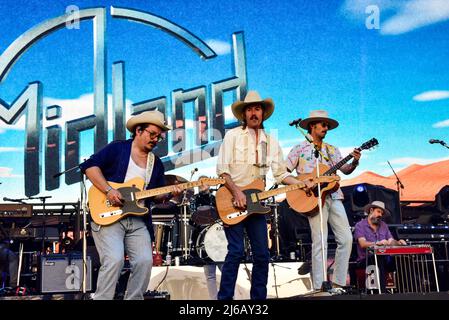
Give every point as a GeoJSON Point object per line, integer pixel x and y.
{"type": "Point", "coordinates": [103, 213]}
{"type": "Point", "coordinates": [307, 204]}
{"type": "Point", "coordinates": [254, 192]}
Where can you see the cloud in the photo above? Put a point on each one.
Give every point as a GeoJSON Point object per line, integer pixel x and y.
{"type": "Point", "coordinates": [441, 124]}
{"type": "Point", "coordinates": [432, 95]}
{"type": "Point", "coordinates": [220, 47]}
{"type": "Point", "coordinates": [71, 109]}
{"type": "Point", "coordinates": [11, 149]}
{"type": "Point", "coordinates": [6, 172]}
{"type": "Point", "coordinates": [407, 15]}
{"type": "Point", "coordinates": [415, 14]}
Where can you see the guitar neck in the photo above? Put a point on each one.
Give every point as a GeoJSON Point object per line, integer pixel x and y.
{"type": "Point", "coordinates": [271, 193]}
{"type": "Point", "coordinates": [334, 169]}
{"type": "Point", "coordinates": [162, 190]}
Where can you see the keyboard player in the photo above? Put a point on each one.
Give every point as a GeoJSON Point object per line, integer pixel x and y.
{"type": "Point", "coordinates": [372, 231]}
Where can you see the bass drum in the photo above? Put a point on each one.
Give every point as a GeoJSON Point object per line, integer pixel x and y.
{"type": "Point", "coordinates": [212, 244]}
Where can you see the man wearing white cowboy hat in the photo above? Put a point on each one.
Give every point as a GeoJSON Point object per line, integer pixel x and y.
{"type": "Point", "coordinates": [372, 231]}
{"type": "Point", "coordinates": [246, 154]}
{"type": "Point", "coordinates": [302, 159]}
{"type": "Point", "coordinates": [120, 161]}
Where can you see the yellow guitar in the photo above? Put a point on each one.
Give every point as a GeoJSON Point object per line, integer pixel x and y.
{"type": "Point", "coordinates": [103, 213]}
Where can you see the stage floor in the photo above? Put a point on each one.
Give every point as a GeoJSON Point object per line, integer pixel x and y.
{"type": "Point", "coordinates": [189, 282]}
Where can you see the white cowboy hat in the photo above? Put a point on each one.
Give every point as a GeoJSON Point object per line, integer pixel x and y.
{"type": "Point", "coordinates": [380, 205]}
{"type": "Point", "coordinates": [252, 97]}
{"type": "Point", "coordinates": [153, 117]}
{"type": "Point", "coordinates": [318, 115]}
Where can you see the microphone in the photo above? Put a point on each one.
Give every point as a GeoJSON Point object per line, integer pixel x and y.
{"type": "Point", "coordinates": [432, 141]}
{"type": "Point", "coordinates": [295, 122]}
{"type": "Point", "coordinates": [12, 200]}
{"type": "Point", "coordinates": [193, 171]}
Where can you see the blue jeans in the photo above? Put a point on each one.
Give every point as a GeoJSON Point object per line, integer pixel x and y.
{"type": "Point", "coordinates": [256, 229]}
{"type": "Point", "coordinates": [128, 235]}
{"type": "Point", "coordinates": [333, 213]}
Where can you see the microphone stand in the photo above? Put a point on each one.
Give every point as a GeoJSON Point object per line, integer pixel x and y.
{"type": "Point", "coordinates": [43, 198]}
{"type": "Point", "coordinates": [326, 286]}
{"type": "Point", "coordinates": [84, 208]}
{"type": "Point", "coordinates": [399, 186]}
{"type": "Point", "coordinates": [443, 144]}
{"type": "Point", "coordinates": [275, 206]}
{"type": "Point", "coordinates": [185, 203]}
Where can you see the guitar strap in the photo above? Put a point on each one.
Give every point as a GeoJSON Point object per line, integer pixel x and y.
{"type": "Point", "coordinates": [328, 158]}
{"type": "Point", "coordinates": [149, 170]}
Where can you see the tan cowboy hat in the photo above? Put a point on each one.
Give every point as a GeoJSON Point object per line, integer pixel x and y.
{"type": "Point", "coordinates": [153, 117]}
{"type": "Point", "coordinates": [253, 97]}
{"type": "Point", "coordinates": [380, 205]}
{"type": "Point", "coordinates": [318, 115]}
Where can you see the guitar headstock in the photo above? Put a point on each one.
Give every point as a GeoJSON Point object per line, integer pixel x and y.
{"type": "Point", "coordinates": [212, 181]}
{"type": "Point", "coordinates": [369, 144]}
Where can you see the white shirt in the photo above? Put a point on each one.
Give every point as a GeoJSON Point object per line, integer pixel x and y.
{"type": "Point", "coordinates": [134, 171]}
{"type": "Point", "coordinates": [238, 158]}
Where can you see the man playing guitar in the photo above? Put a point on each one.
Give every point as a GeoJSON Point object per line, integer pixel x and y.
{"type": "Point", "coordinates": [118, 162]}
{"type": "Point", "coordinates": [247, 153]}
{"type": "Point", "coordinates": [302, 158]}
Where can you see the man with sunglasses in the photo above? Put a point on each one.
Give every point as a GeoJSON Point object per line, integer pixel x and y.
{"type": "Point", "coordinates": [120, 161]}
{"type": "Point", "coordinates": [302, 158]}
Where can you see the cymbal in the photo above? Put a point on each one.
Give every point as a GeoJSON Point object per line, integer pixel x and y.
{"type": "Point", "coordinates": [174, 179]}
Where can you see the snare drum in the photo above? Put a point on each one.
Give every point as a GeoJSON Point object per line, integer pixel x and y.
{"type": "Point", "coordinates": [212, 243]}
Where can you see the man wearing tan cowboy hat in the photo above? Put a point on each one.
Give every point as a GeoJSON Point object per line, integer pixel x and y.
{"type": "Point", "coordinates": [247, 153]}
{"type": "Point", "coordinates": [118, 162]}
{"type": "Point", "coordinates": [372, 231]}
{"type": "Point", "coordinates": [302, 159]}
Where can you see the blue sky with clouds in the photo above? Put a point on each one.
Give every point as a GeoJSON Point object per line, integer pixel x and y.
{"type": "Point", "coordinates": [390, 82]}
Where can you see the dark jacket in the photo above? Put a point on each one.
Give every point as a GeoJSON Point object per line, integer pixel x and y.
{"type": "Point", "coordinates": [113, 162]}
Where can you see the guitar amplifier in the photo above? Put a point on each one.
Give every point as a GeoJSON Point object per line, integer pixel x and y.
{"type": "Point", "coordinates": [64, 273]}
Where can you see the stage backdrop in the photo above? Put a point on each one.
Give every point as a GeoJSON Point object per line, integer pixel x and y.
{"type": "Point", "coordinates": [72, 72]}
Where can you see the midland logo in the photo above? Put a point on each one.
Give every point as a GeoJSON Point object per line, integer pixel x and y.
{"type": "Point", "coordinates": [209, 121]}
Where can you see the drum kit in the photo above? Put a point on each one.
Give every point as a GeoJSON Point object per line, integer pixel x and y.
{"type": "Point", "coordinates": [194, 231]}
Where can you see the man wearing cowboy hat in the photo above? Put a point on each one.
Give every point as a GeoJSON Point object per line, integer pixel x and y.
{"type": "Point", "coordinates": [247, 153]}
{"type": "Point", "coordinates": [121, 161]}
{"type": "Point", "coordinates": [302, 159]}
{"type": "Point", "coordinates": [372, 231]}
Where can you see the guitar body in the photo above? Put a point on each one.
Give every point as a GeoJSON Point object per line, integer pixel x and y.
{"type": "Point", "coordinates": [103, 213]}
{"type": "Point", "coordinates": [307, 204]}
{"type": "Point", "coordinates": [231, 215]}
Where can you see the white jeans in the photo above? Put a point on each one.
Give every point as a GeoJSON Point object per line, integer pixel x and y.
{"type": "Point", "coordinates": [334, 213]}
{"type": "Point", "coordinates": [211, 279]}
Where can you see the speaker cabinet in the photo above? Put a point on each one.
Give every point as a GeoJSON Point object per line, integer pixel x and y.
{"type": "Point", "coordinates": [64, 273]}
